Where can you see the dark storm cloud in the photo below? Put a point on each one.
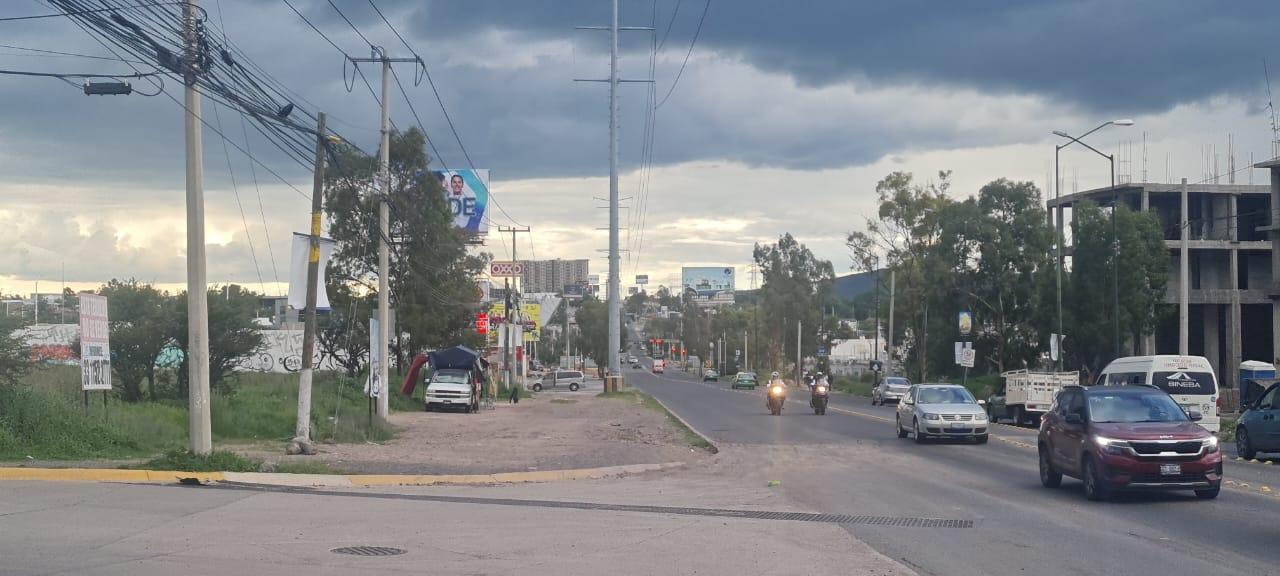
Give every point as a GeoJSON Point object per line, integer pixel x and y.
{"type": "Point", "coordinates": [1123, 57]}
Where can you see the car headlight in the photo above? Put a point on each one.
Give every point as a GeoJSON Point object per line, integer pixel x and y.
{"type": "Point", "coordinates": [980, 416]}
{"type": "Point", "coordinates": [930, 416]}
{"type": "Point", "coordinates": [1111, 445]}
{"type": "Point", "coordinates": [1211, 444]}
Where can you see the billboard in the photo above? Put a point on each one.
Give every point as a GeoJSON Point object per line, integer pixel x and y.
{"type": "Point", "coordinates": [95, 343]}
{"type": "Point", "coordinates": [574, 290]}
{"type": "Point", "coordinates": [467, 192]}
{"type": "Point", "coordinates": [709, 285]}
{"type": "Point", "coordinates": [642, 279]}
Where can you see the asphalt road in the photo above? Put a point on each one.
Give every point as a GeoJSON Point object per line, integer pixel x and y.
{"type": "Point", "coordinates": [1020, 527]}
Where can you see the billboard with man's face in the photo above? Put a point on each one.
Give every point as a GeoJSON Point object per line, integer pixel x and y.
{"type": "Point", "coordinates": [709, 285]}
{"type": "Point", "coordinates": [467, 192]}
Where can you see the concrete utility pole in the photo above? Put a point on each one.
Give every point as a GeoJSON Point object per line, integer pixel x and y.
{"type": "Point", "coordinates": [889, 347]}
{"type": "Point", "coordinates": [1184, 283]}
{"type": "Point", "coordinates": [799, 324]}
{"type": "Point", "coordinates": [512, 303]}
{"type": "Point", "coordinates": [198, 419]}
{"type": "Point", "coordinates": [614, 297]}
{"type": "Point", "coordinates": [379, 56]}
{"type": "Point", "coordinates": [302, 429]}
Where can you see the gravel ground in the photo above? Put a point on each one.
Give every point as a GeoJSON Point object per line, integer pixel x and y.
{"type": "Point", "coordinates": [551, 431]}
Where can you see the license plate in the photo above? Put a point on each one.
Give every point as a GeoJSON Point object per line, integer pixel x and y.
{"type": "Point", "coordinates": [1170, 469]}
{"type": "Point", "coordinates": [446, 401]}
{"type": "Point", "coordinates": [958, 426]}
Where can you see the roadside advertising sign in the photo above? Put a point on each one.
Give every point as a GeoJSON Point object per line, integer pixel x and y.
{"type": "Point", "coordinates": [642, 279]}
{"type": "Point", "coordinates": [482, 323]}
{"type": "Point", "coordinates": [95, 346]}
{"type": "Point", "coordinates": [530, 312]}
{"type": "Point", "coordinates": [467, 192]}
{"type": "Point", "coordinates": [505, 268]}
{"type": "Point", "coordinates": [965, 320]}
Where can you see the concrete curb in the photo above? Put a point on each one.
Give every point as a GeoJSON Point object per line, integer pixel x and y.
{"type": "Point", "coordinates": [714, 448]}
{"type": "Point", "coordinates": [107, 475]}
{"type": "Point", "coordinates": [324, 480]}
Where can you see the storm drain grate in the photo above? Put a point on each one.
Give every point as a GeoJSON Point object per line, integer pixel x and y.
{"type": "Point", "coordinates": [368, 551]}
{"type": "Point", "coordinates": [886, 521]}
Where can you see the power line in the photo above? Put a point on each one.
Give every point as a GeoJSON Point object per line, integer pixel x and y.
{"type": "Point", "coordinates": [696, 33]}
{"type": "Point", "coordinates": [348, 21]}
{"type": "Point", "coordinates": [92, 11]}
{"type": "Point", "coordinates": [235, 190]}
{"type": "Point", "coordinates": [669, 22]}
{"type": "Point", "coordinates": [66, 76]}
{"type": "Point", "coordinates": [443, 109]}
{"type": "Point", "coordinates": [57, 53]}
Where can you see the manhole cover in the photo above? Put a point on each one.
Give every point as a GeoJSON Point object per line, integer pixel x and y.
{"type": "Point", "coordinates": [368, 551]}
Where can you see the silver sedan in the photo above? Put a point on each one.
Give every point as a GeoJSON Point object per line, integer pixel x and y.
{"type": "Point", "coordinates": [941, 411]}
{"type": "Point", "coordinates": [890, 389]}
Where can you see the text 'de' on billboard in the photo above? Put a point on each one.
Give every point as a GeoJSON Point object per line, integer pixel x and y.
{"type": "Point", "coordinates": [467, 192]}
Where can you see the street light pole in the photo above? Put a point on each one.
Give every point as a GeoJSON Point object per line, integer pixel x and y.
{"type": "Point", "coordinates": [1115, 204]}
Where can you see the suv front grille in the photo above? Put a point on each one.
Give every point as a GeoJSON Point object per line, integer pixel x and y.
{"type": "Point", "coordinates": [1157, 478]}
{"type": "Point", "coordinates": [1151, 448]}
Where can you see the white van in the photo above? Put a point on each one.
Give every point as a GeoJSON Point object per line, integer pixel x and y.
{"type": "Point", "coordinates": [1189, 379]}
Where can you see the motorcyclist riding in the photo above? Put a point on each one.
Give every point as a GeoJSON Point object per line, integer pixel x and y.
{"type": "Point", "coordinates": [776, 394]}
{"type": "Point", "coordinates": [819, 392]}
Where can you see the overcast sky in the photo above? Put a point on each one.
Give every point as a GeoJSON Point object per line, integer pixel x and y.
{"type": "Point", "coordinates": [784, 118]}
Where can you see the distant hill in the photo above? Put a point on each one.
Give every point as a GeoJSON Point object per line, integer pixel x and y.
{"type": "Point", "coordinates": [850, 286]}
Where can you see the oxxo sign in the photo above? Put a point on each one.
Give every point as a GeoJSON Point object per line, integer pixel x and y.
{"type": "Point", "coordinates": [95, 351]}
{"type": "Point", "coordinates": [506, 269]}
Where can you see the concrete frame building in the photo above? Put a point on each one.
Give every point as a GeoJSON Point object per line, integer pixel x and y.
{"type": "Point", "coordinates": [551, 276]}
{"type": "Point", "coordinates": [1234, 298]}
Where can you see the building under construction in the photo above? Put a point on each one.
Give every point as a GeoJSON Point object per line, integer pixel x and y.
{"type": "Point", "coordinates": [1232, 251]}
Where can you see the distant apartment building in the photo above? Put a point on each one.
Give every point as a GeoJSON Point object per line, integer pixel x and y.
{"type": "Point", "coordinates": [552, 275]}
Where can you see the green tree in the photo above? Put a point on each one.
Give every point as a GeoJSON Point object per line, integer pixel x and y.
{"type": "Point", "coordinates": [15, 357]}
{"type": "Point", "coordinates": [232, 333]}
{"type": "Point", "coordinates": [432, 274]}
{"type": "Point", "coordinates": [796, 287]}
{"type": "Point", "coordinates": [907, 236]}
{"type": "Point", "coordinates": [1144, 274]}
{"type": "Point", "coordinates": [343, 334]}
{"type": "Point", "coordinates": [593, 326]}
{"type": "Point", "coordinates": [140, 319]}
{"type": "Point", "coordinates": [1014, 246]}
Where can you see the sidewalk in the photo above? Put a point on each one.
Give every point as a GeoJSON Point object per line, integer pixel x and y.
{"type": "Point", "coordinates": [143, 530]}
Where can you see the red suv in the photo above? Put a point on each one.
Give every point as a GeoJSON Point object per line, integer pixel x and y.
{"type": "Point", "coordinates": [1127, 438]}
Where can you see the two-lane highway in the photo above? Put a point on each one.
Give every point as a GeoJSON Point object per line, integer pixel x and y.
{"type": "Point", "coordinates": [851, 462]}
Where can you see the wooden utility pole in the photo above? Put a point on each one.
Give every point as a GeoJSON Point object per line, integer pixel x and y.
{"type": "Point", "coordinates": [302, 429]}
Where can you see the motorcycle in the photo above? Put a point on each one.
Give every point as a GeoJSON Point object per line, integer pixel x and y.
{"type": "Point", "coordinates": [818, 395]}
{"type": "Point", "coordinates": [777, 394]}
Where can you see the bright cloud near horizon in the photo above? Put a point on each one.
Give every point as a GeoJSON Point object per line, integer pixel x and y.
{"type": "Point", "coordinates": [784, 118]}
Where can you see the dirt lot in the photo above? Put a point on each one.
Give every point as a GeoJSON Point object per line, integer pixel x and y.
{"type": "Point", "coordinates": [552, 431]}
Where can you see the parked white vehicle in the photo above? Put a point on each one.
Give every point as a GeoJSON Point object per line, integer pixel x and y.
{"type": "Point", "coordinates": [1025, 396]}
{"type": "Point", "coordinates": [452, 388]}
{"type": "Point", "coordinates": [1189, 379]}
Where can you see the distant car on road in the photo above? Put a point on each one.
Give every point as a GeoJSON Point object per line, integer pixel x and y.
{"type": "Point", "coordinates": [1127, 438]}
{"type": "Point", "coordinates": [941, 411]}
{"type": "Point", "coordinates": [744, 380]}
{"type": "Point", "coordinates": [659, 365]}
{"type": "Point", "coordinates": [710, 376]}
{"type": "Point", "coordinates": [572, 379]}
{"type": "Point", "coordinates": [890, 389]}
{"type": "Point", "coordinates": [1258, 429]}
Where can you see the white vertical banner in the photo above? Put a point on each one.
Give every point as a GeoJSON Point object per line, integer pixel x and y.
{"type": "Point", "coordinates": [373, 385]}
{"type": "Point", "coordinates": [298, 272]}
{"type": "Point", "coordinates": [95, 345]}
{"type": "Point", "coordinates": [1054, 341]}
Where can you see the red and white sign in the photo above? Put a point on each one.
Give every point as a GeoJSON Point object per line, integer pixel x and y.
{"type": "Point", "coordinates": [506, 269]}
{"type": "Point", "coordinates": [482, 323]}
{"type": "Point", "coordinates": [95, 346]}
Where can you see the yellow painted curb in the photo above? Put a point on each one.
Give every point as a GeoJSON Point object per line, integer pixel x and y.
{"type": "Point", "coordinates": [105, 475]}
